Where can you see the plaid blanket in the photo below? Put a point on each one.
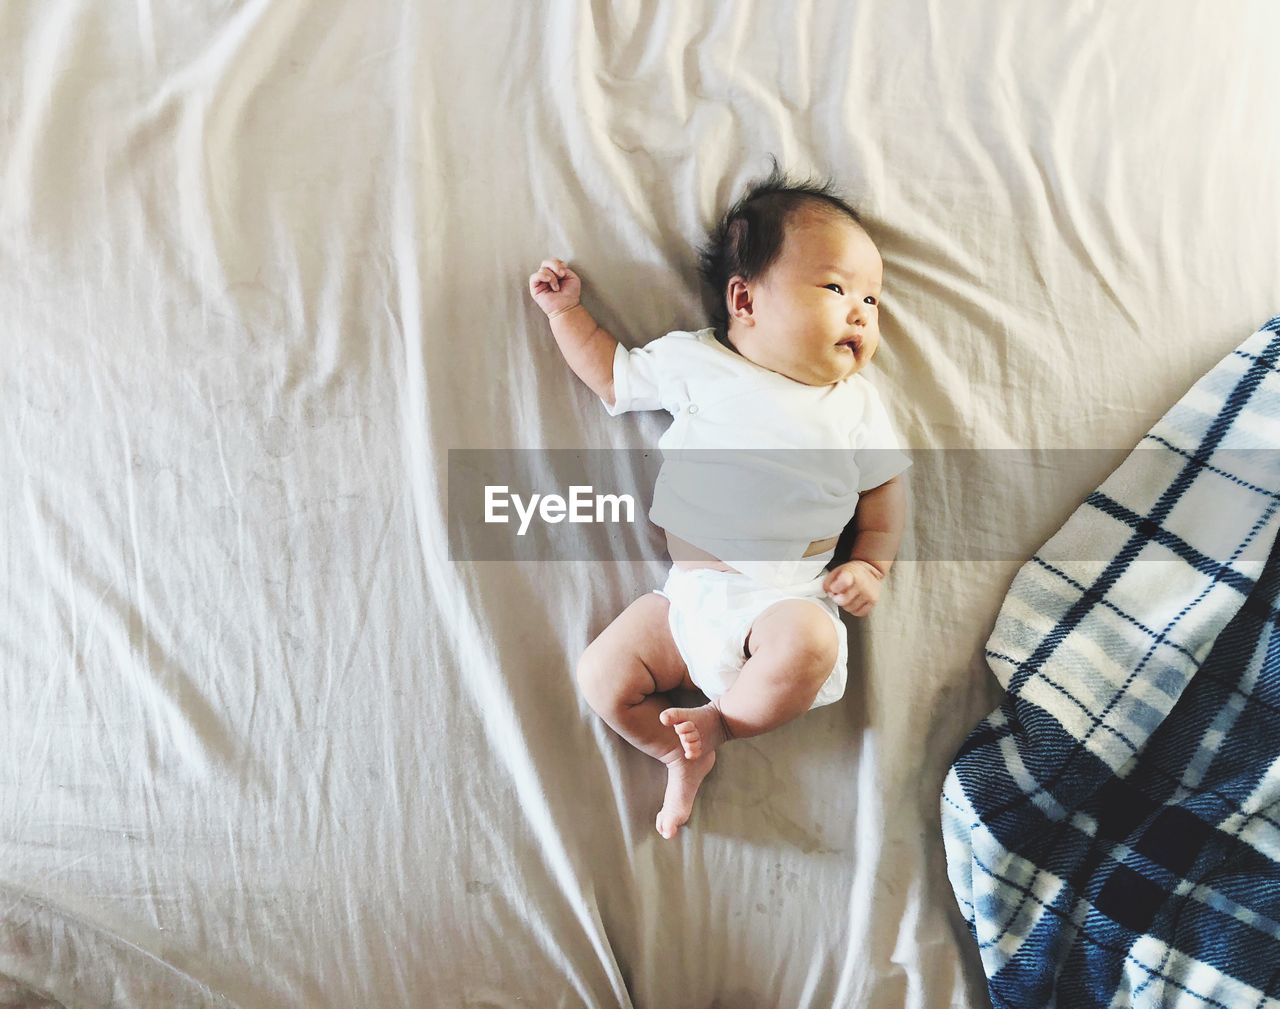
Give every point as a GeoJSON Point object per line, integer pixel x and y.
{"type": "Point", "coordinates": [1113, 830]}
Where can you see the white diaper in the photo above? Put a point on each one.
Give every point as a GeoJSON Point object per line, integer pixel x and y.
{"type": "Point", "coordinates": [711, 613]}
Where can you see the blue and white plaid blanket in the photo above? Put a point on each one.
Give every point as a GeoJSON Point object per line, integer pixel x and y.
{"type": "Point", "coordinates": [1113, 829]}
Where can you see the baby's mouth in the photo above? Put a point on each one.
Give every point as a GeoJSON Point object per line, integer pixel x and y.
{"type": "Point", "coordinates": [849, 344]}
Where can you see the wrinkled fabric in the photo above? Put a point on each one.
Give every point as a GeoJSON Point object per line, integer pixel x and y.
{"type": "Point", "coordinates": [264, 263]}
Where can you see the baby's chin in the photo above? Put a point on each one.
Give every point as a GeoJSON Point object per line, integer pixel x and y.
{"type": "Point", "coordinates": [828, 374]}
{"type": "Point", "coordinates": [849, 362]}
{"type": "Point", "coordinates": [827, 370]}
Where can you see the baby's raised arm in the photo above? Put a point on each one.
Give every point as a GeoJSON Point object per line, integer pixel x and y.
{"type": "Point", "coordinates": [586, 346]}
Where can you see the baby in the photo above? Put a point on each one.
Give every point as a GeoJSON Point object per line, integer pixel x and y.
{"type": "Point", "coordinates": [748, 614]}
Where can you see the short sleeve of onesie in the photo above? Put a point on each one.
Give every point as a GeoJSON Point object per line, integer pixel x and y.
{"type": "Point", "coordinates": [878, 456]}
{"type": "Point", "coordinates": [646, 378]}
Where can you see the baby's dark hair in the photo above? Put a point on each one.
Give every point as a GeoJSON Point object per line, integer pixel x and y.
{"type": "Point", "coordinates": [749, 237]}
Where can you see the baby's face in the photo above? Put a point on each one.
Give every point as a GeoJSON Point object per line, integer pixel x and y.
{"type": "Point", "coordinates": [814, 315]}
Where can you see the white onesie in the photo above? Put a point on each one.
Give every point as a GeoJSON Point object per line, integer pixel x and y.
{"type": "Point", "coordinates": [756, 466]}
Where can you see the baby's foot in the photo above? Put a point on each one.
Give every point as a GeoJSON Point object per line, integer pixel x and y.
{"type": "Point", "coordinates": [700, 729]}
{"type": "Point", "coordinates": [683, 778]}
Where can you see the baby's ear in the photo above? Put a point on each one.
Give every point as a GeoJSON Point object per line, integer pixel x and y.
{"type": "Point", "coordinates": [738, 297]}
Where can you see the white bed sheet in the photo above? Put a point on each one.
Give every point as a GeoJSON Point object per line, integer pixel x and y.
{"type": "Point", "coordinates": [263, 264]}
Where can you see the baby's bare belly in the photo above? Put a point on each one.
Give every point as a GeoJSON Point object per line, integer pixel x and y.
{"type": "Point", "coordinates": [686, 555]}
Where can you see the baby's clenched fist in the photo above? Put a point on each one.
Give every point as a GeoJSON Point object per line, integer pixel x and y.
{"type": "Point", "coordinates": [554, 286]}
{"type": "Point", "coordinates": [855, 587]}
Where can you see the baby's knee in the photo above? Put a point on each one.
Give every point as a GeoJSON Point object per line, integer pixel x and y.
{"type": "Point", "coordinates": [590, 670]}
{"type": "Point", "coordinates": [809, 638]}
{"type": "Point", "coordinates": [598, 675]}
{"type": "Point", "coordinates": [612, 679]}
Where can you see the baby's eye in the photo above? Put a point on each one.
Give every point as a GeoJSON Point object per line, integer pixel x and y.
{"type": "Point", "coordinates": [871, 299]}
{"type": "Point", "coordinates": [836, 288]}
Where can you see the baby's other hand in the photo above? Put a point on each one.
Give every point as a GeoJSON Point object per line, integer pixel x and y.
{"type": "Point", "coordinates": [855, 587]}
{"type": "Point", "coordinates": [554, 286]}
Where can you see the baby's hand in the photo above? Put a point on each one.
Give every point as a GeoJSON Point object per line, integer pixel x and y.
{"type": "Point", "coordinates": [554, 286]}
{"type": "Point", "coordinates": [854, 586]}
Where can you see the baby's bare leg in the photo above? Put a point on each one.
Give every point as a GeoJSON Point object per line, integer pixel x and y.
{"type": "Point", "coordinates": [625, 674]}
{"type": "Point", "coordinates": [793, 647]}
